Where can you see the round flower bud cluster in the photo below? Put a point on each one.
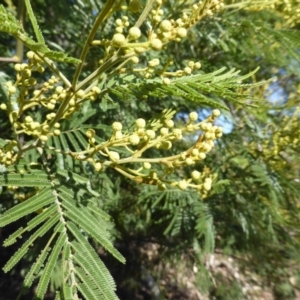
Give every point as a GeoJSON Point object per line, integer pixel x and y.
{"type": "Point", "coordinates": [177, 133]}
{"type": "Point", "coordinates": [169, 30]}
{"type": "Point", "coordinates": [176, 30]}
{"type": "Point", "coordinates": [118, 40]}
{"type": "Point", "coordinates": [150, 134]}
{"type": "Point", "coordinates": [191, 67]}
{"type": "Point", "coordinates": [8, 154]}
{"type": "Point", "coordinates": [134, 33]}
{"type": "Point", "coordinates": [3, 106]}
{"type": "Point", "coordinates": [114, 156]}
{"type": "Point", "coordinates": [203, 183]}
{"type": "Point", "coordinates": [161, 134]}
{"type": "Point", "coordinates": [24, 72]}
{"type": "Point", "coordinates": [285, 135]}
{"type": "Point", "coordinates": [90, 133]}
{"type": "Point", "coordinates": [117, 128]}
{"type": "Point", "coordinates": [41, 131]}
{"type": "Point", "coordinates": [140, 123]}
{"type": "Point", "coordinates": [156, 14]}
{"type": "Point", "coordinates": [121, 24]}
{"type": "Point", "coordinates": [98, 166]}
{"type": "Point", "coordinates": [211, 133]}
{"type": "Point", "coordinates": [183, 185]}
{"type": "Point", "coordinates": [156, 44]}
{"type": "Point", "coordinates": [207, 184]}
{"type": "Point", "coordinates": [193, 116]}
{"type": "Point", "coordinates": [134, 139]}
{"type": "Point", "coordinates": [199, 11]}
{"type": "Point", "coordinates": [152, 64]}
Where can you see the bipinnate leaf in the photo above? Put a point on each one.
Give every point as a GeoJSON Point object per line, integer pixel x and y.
{"type": "Point", "coordinates": [65, 214]}
{"type": "Point", "coordinates": [95, 271]}
{"type": "Point", "coordinates": [29, 242]}
{"type": "Point", "coordinates": [38, 201]}
{"type": "Point", "coordinates": [52, 260]}
{"type": "Point", "coordinates": [34, 179]}
{"type": "Point", "coordinates": [10, 25]}
{"type": "Point", "coordinates": [205, 89]}
{"type": "Point", "coordinates": [34, 23]}
{"type": "Point", "coordinates": [90, 224]}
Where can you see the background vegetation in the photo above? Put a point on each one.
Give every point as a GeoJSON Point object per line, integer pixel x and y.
{"type": "Point", "coordinates": [241, 240]}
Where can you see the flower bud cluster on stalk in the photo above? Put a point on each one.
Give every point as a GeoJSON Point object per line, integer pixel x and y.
{"type": "Point", "coordinates": [132, 42]}
{"type": "Point", "coordinates": [56, 98]}
{"type": "Point", "coordinates": [286, 136]}
{"type": "Point", "coordinates": [26, 93]}
{"type": "Point", "coordinates": [160, 135]}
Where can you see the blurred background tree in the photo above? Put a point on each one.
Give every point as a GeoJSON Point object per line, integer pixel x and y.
{"type": "Point", "coordinates": [240, 242]}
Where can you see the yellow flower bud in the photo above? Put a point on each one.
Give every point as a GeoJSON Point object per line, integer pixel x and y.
{"type": "Point", "coordinates": [181, 32]}
{"type": "Point", "coordinates": [187, 70]}
{"type": "Point", "coordinates": [201, 155]}
{"type": "Point", "coordinates": [196, 175]}
{"type": "Point", "coordinates": [114, 156]}
{"type": "Point", "coordinates": [96, 90]}
{"type": "Point", "coordinates": [216, 112]}
{"type": "Point", "coordinates": [28, 119]}
{"type": "Point", "coordinates": [169, 123]}
{"type": "Point", "coordinates": [134, 33]}
{"type": "Point", "coordinates": [177, 133]}
{"type": "Point", "coordinates": [193, 116]}
{"type": "Point", "coordinates": [189, 161]}
{"type": "Point", "coordinates": [134, 139]}
{"type": "Point", "coordinates": [56, 132]}
{"type": "Point", "coordinates": [146, 165]}
{"type": "Point", "coordinates": [156, 44]}
{"type": "Point", "coordinates": [166, 81]}
{"type": "Point", "coordinates": [43, 138]}
{"type": "Point", "coordinates": [182, 185]}
{"type": "Point", "coordinates": [118, 40]}
{"type": "Point", "coordinates": [98, 166]}
{"type": "Point", "coordinates": [3, 106]}
{"type": "Point", "coordinates": [165, 26]}
{"type": "Point", "coordinates": [140, 123]}
{"type": "Point", "coordinates": [12, 89]}
{"type": "Point", "coordinates": [150, 133]}
{"type": "Point", "coordinates": [117, 126]}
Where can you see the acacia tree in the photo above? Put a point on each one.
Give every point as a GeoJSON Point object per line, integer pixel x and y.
{"type": "Point", "coordinates": [119, 144]}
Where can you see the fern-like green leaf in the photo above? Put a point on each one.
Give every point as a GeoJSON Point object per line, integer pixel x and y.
{"type": "Point", "coordinates": [67, 291]}
{"type": "Point", "coordinates": [24, 249]}
{"type": "Point", "coordinates": [38, 201]}
{"type": "Point", "coordinates": [208, 89]}
{"type": "Point", "coordinates": [205, 226]}
{"type": "Point", "coordinates": [10, 25]}
{"type": "Point", "coordinates": [89, 224]}
{"type": "Point", "coordinates": [42, 217]}
{"type": "Point", "coordinates": [95, 270]}
{"type": "Point", "coordinates": [36, 267]}
{"type": "Point", "coordinates": [35, 179]}
{"type": "Point", "coordinates": [88, 287]}
{"type": "Point", "coordinates": [13, 237]}
{"type": "Point", "coordinates": [52, 260]}
{"type": "Point", "coordinates": [34, 23]}
{"type": "Point", "coordinates": [73, 141]}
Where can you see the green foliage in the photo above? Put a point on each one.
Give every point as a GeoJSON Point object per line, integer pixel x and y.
{"type": "Point", "coordinates": [62, 211]}
{"type": "Point", "coordinates": [101, 155]}
{"type": "Point", "coordinates": [11, 25]}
